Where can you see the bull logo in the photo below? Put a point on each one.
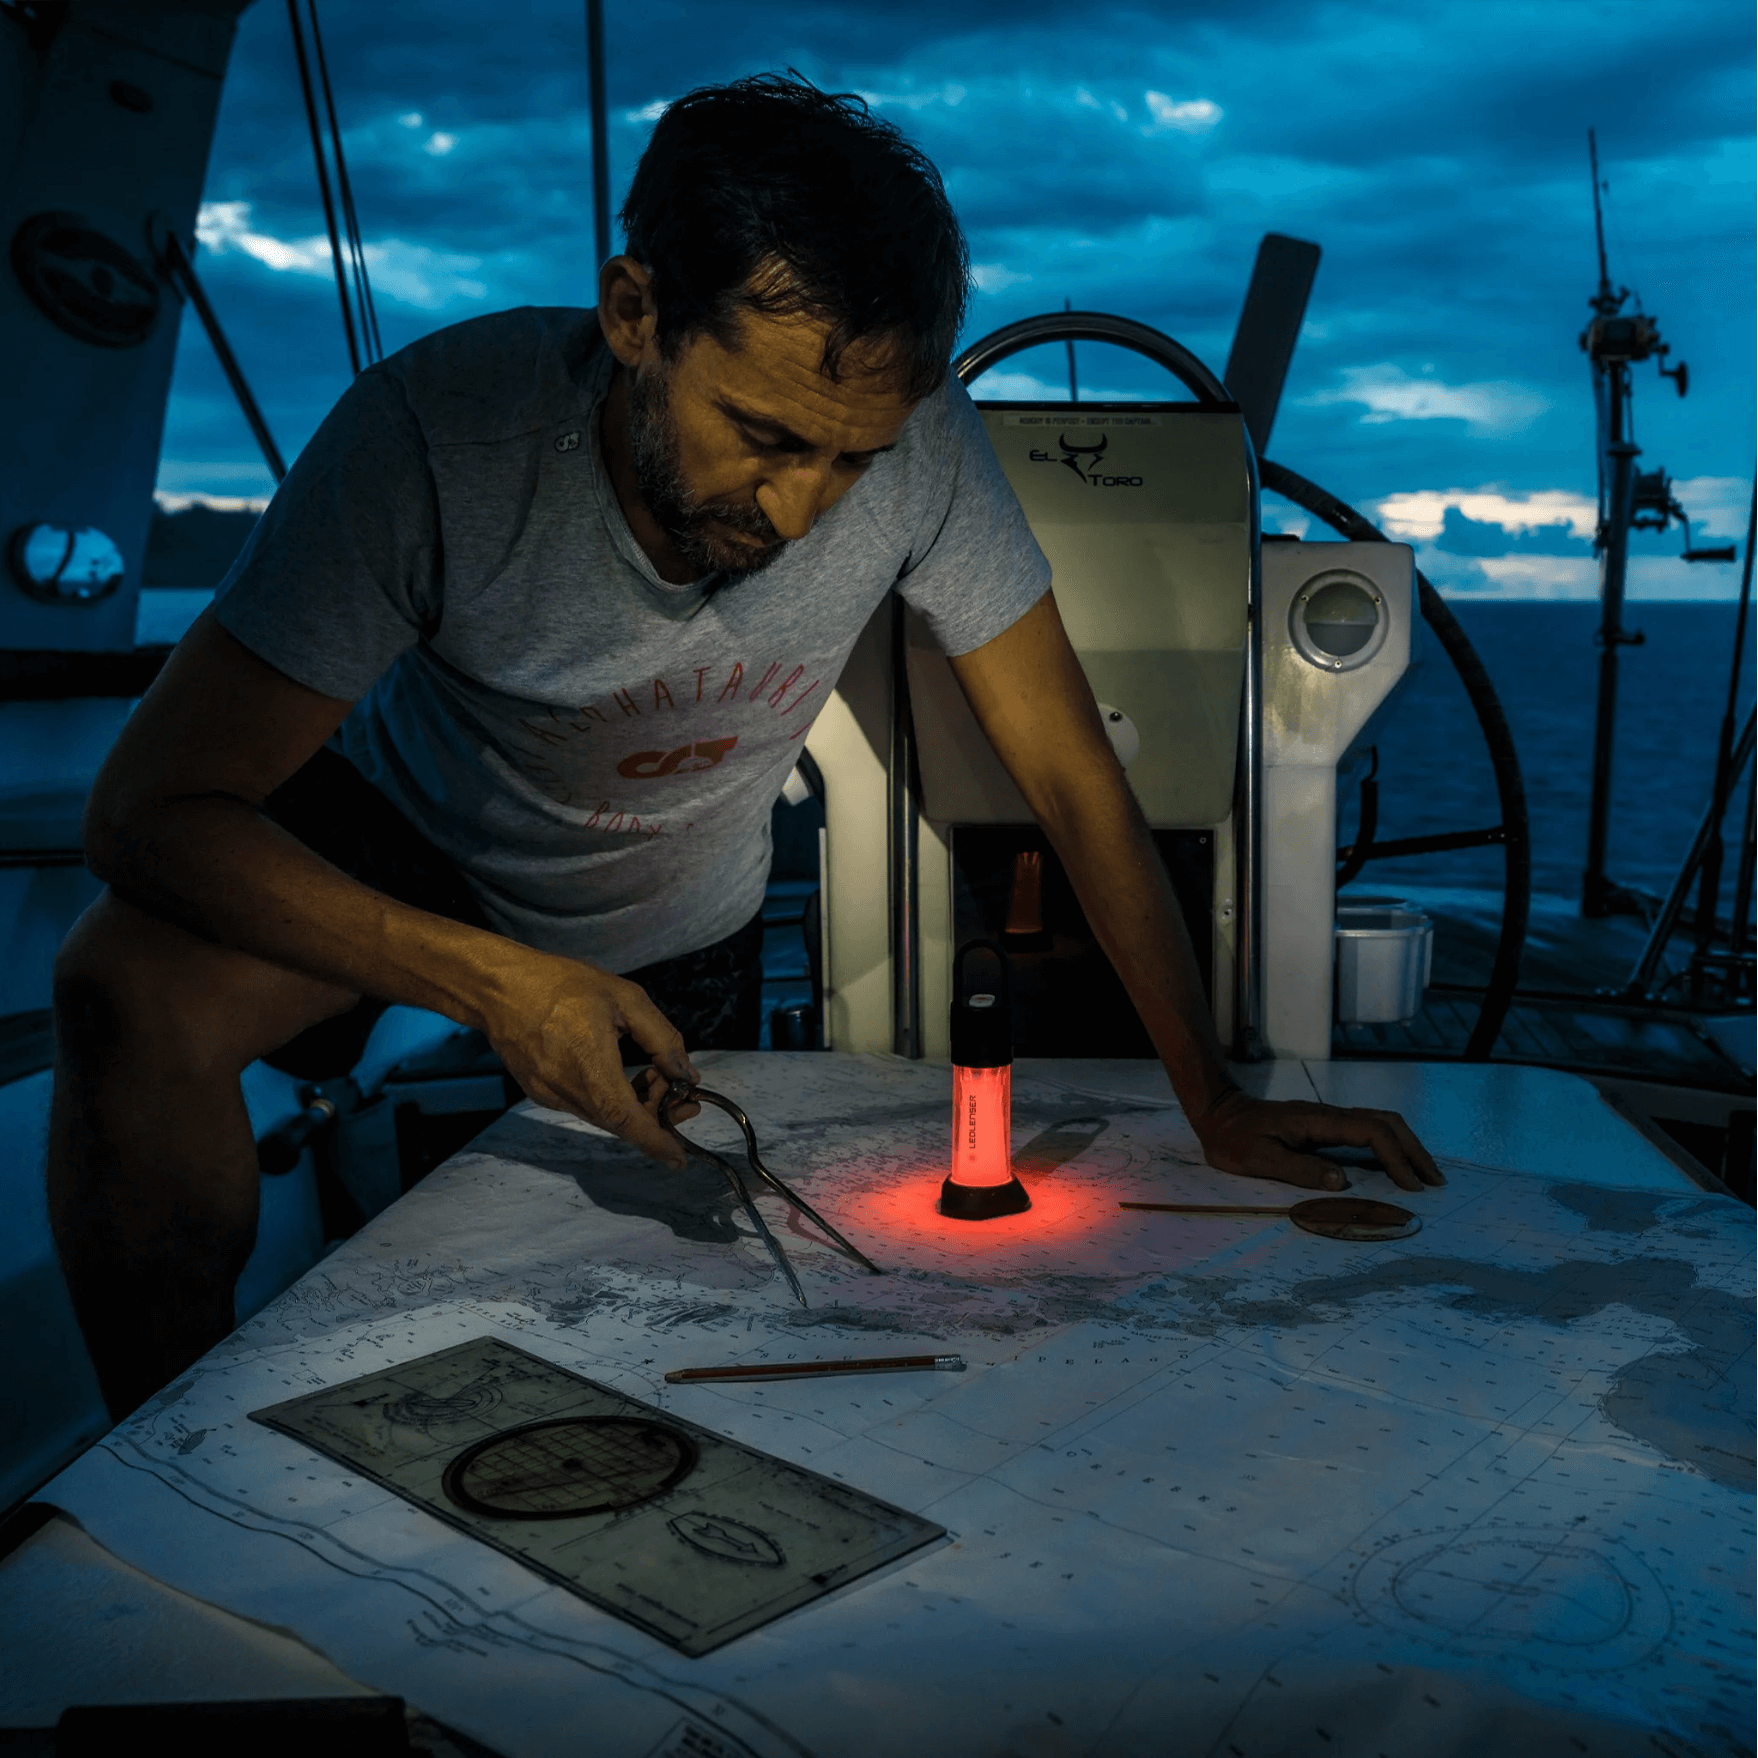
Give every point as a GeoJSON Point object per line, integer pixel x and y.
{"type": "Point", "coordinates": [1086, 463]}
{"type": "Point", "coordinates": [1072, 455]}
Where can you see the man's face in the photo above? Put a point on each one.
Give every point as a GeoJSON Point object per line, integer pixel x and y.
{"type": "Point", "coordinates": [739, 451]}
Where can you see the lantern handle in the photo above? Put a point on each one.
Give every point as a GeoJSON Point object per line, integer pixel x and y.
{"type": "Point", "coordinates": [1000, 955]}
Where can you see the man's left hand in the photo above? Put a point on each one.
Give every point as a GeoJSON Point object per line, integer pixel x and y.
{"type": "Point", "coordinates": [1267, 1138]}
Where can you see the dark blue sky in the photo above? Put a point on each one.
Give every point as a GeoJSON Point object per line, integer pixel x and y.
{"type": "Point", "coordinates": [1127, 158]}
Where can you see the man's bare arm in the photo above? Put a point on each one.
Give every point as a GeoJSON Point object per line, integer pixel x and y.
{"type": "Point", "coordinates": [1033, 702]}
{"type": "Point", "coordinates": [174, 824]}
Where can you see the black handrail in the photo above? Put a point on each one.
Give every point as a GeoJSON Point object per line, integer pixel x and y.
{"type": "Point", "coordinates": [1515, 829]}
{"type": "Point", "coordinates": [1093, 326]}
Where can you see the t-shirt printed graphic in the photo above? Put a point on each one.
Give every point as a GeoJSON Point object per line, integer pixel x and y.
{"type": "Point", "coordinates": [596, 748]}
{"type": "Point", "coordinates": [548, 760]}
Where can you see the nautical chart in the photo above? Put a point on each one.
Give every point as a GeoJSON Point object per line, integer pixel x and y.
{"type": "Point", "coordinates": [695, 1538]}
{"type": "Point", "coordinates": [1209, 1484]}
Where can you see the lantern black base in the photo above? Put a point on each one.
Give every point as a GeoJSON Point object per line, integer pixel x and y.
{"type": "Point", "coordinates": [983, 1202]}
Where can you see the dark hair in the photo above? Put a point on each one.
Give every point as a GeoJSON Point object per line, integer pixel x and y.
{"type": "Point", "coordinates": [771, 174]}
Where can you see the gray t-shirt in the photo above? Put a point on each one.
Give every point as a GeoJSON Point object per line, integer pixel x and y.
{"type": "Point", "coordinates": [597, 750]}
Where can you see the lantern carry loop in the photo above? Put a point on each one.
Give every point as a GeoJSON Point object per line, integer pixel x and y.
{"type": "Point", "coordinates": [982, 1029]}
{"type": "Point", "coordinates": [680, 1090]}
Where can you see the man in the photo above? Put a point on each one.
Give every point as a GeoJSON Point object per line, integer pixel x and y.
{"type": "Point", "coordinates": [496, 702]}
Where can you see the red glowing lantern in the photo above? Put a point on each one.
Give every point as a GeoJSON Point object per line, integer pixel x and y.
{"type": "Point", "coordinates": [981, 1184]}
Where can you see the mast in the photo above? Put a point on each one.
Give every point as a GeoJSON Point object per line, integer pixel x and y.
{"type": "Point", "coordinates": [1613, 341]}
{"type": "Point", "coordinates": [600, 131]}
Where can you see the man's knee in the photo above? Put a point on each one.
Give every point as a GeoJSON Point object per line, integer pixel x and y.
{"type": "Point", "coordinates": [118, 997]}
{"type": "Point", "coordinates": [129, 986]}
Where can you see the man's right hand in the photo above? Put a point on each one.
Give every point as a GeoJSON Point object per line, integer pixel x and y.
{"type": "Point", "coordinates": [556, 1024]}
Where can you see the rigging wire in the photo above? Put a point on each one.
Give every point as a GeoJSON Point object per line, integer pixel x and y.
{"type": "Point", "coordinates": [352, 266]}
{"type": "Point", "coordinates": [369, 335]}
{"type": "Point", "coordinates": [1709, 893]}
{"type": "Point", "coordinates": [1702, 863]}
{"type": "Point", "coordinates": [323, 182]}
{"type": "Point", "coordinates": [176, 264]}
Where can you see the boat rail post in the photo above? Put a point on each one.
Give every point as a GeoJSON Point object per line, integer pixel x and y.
{"type": "Point", "coordinates": [1248, 1009]}
{"type": "Point", "coordinates": [1597, 892]}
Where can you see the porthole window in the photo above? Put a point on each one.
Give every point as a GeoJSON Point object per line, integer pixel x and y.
{"type": "Point", "coordinates": [61, 566]}
{"type": "Point", "coordinates": [1338, 620]}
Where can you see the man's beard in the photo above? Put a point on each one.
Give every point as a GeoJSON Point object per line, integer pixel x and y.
{"type": "Point", "coordinates": [700, 532]}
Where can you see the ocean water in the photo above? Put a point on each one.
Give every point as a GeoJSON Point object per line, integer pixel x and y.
{"type": "Point", "coordinates": [1435, 775]}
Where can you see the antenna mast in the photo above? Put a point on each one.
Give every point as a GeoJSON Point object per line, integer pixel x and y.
{"type": "Point", "coordinates": [1613, 341]}
{"type": "Point", "coordinates": [1605, 291]}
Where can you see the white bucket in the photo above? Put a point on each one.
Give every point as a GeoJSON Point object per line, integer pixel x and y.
{"type": "Point", "coordinates": [1384, 955]}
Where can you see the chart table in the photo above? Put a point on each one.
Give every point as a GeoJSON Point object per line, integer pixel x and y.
{"type": "Point", "coordinates": [1209, 1484]}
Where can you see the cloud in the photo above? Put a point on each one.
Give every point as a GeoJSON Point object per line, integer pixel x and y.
{"type": "Point", "coordinates": [1656, 579]}
{"type": "Point", "coordinates": [1193, 116]}
{"type": "Point", "coordinates": [1422, 513]}
{"type": "Point", "coordinates": [1095, 373]}
{"type": "Point", "coordinates": [1462, 535]}
{"type": "Point", "coordinates": [1004, 386]}
{"type": "Point", "coordinates": [221, 226]}
{"type": "Point", "coordinates": [411, 273]}
{"type": "Point", "coordinates": [1718, 505]}
{"type": "Point", "coordinates": [1653, 579]}
{"type": "Point", "coordinates": [177, 475]}
{"type": "Point", "coordinates": [1447, 187]}
{"type": "Point", "coordinates": [169, 502]}
{"type": "Point", "coordinates": [1389, 393]}
{"type": "Point", "coordinates": [429, 279]}
{"type": "Point", "coordinates": [951, 94]}
{"type": "Point", "coordinates": [1512, 576]}
{"type": "Point", "coordinates": [1087, 101]}
{"type": "Point", "coordinates": [995, 277]}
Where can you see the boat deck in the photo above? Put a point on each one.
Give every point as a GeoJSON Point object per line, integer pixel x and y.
{"type": "Point", "coordinates": [1566, 1012]}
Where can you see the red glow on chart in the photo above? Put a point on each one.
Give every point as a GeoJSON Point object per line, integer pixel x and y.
{"type": "Point", "coordinates": [982, 1122]}
{"type": "Point", "coordinates": [905, 1217]}
{"type": "Point", "coordinates": [1073, 1227]}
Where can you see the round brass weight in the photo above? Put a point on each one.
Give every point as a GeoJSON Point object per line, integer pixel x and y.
{"type": "Point", "coordinates": [1353, 1217]}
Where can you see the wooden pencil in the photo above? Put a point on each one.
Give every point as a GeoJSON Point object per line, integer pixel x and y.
{"type": "Point", "coordinates": [787, 1370]}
